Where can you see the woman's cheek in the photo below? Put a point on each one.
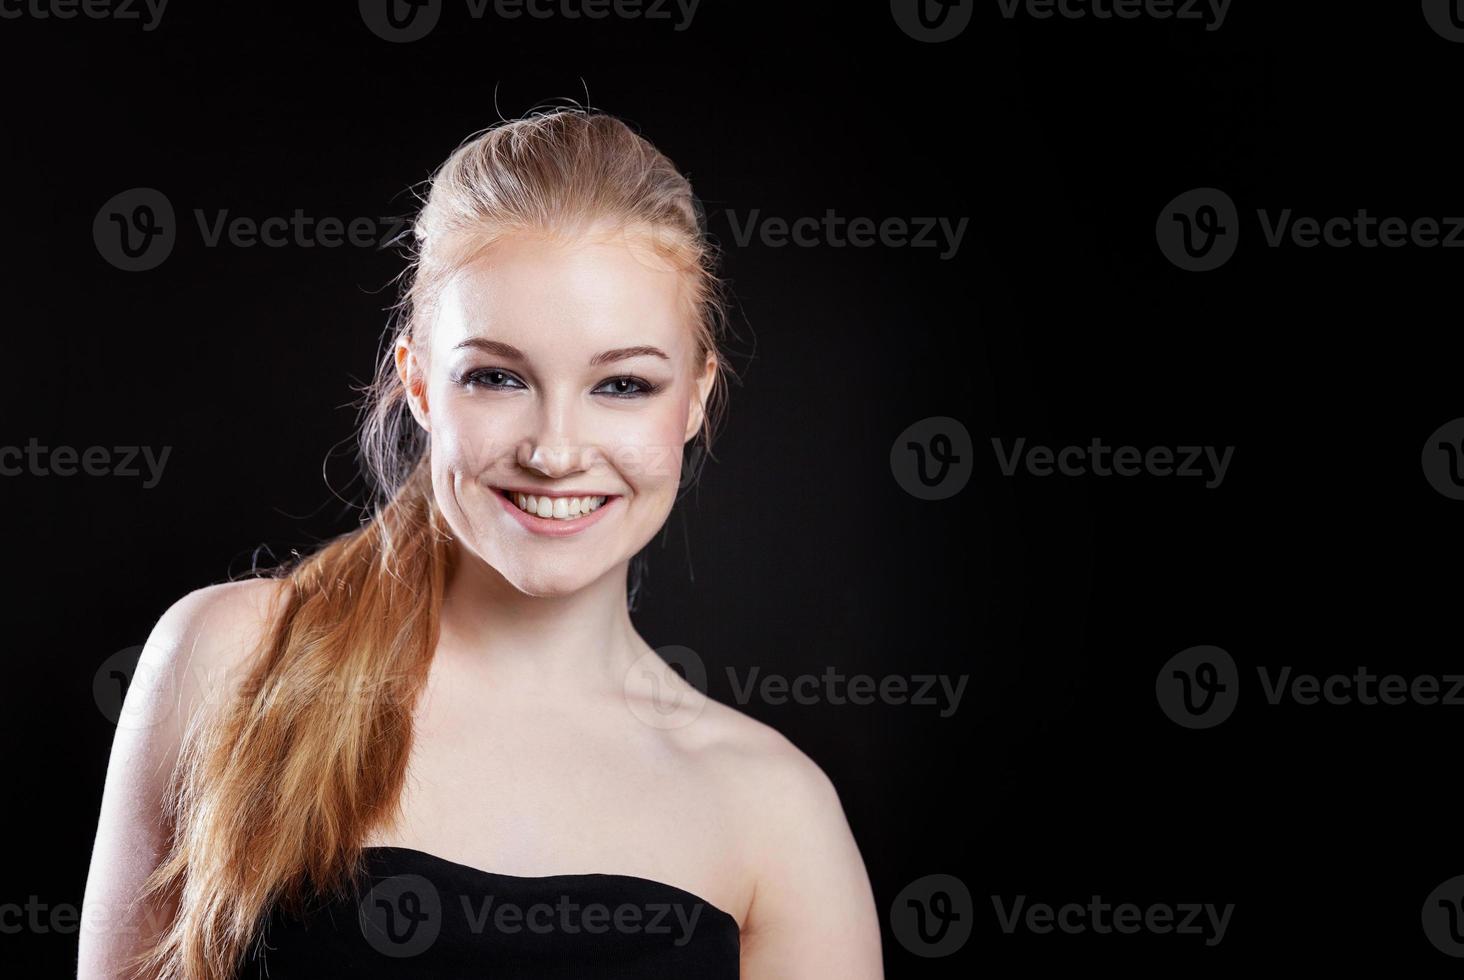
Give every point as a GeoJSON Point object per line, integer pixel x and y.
{"type": "Point", "coordinates": [651, 460]}
{"type": "Point", "coordinates": [470, 443]}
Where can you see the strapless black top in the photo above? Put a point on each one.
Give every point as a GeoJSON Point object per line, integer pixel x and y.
{"type": "Point", "coordinates": [413, 914]}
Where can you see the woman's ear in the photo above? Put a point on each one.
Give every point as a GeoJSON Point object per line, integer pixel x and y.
{"type": "Point", "coordinates": [413, 375]}
{"type": "Point", "coordinates": [697, 414]}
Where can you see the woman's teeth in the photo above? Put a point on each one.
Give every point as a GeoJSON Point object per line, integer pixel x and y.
{"type": "Point", "coordinates": [557, 508]}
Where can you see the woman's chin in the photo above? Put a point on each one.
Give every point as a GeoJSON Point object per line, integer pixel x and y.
{"type": "Point", "coordinates": [549, 583]}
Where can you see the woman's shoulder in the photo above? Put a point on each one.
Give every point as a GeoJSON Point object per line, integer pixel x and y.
{"type": "Point", "coordinates": [234, 603]}
{"type": "Point", "coordinates": [716, 738]}
{"type": "Point", "coordinates": [221, 622]}
{"type": "Point", "coordinates": [205, 641]}
{"type": "Point", "coordinates": [806, 877]}
{"type": "Point", "coordinates": [774, 782]}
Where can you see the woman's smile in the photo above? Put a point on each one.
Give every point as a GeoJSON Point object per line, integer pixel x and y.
{"type": "Point", "coordinates": [556, 514]}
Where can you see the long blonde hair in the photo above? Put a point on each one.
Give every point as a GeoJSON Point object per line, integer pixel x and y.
{"type": "Point", "coordinates": [276, 789]}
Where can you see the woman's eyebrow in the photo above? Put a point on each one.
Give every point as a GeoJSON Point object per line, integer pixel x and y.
{"type": "Point", "coordinates": [492, 347]}
{"type": "Point", "coordinates": [621, 353]}
{"type": "Point", "coordinates": [501, 349]}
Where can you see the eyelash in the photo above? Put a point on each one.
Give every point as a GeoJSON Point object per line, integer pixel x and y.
{"type": "Point", "coordinates": [473, 378]}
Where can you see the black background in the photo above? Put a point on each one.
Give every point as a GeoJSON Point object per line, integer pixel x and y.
{"type": "Point", "coordinates": [1058, 320]}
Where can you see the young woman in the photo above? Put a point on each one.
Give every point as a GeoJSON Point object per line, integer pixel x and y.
{"type": "Point", "coordinates": [437, 746]}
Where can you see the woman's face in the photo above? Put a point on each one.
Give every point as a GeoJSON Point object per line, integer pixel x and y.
{"type": "Point", "coordinates": [559, 372]}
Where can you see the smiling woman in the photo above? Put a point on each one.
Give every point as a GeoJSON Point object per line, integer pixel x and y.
{"type": "Point", "coordinates": [438, 746]}
{"type": "Point", "coordinates": [576, 338]}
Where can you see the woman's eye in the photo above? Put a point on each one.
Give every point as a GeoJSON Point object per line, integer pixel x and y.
{"type": "Point", "coordinates": [626, 387]}
{"type": "Point", "coordinates": [490, 378]}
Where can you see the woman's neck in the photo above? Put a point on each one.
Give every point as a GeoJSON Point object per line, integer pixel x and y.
{"type": "Point", "coordinates": [583, 642]}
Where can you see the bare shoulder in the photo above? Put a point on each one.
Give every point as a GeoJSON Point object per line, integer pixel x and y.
{"type": "Point", "coordinates": [216, 618]}
{"type": "Point", "coordinates": [196, 654]}
{"type": "Point", "coordinates": [204, 643]}
{"type": "Point", "coordinates": [810, 890]}
{"type": "Point", "coordinates": [755, 770]}
{"type": "Point", "coordinates": [807, 906]}
{"type": "Point", "coordinates": [773, 774]}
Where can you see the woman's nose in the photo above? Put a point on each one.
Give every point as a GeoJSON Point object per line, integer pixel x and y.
{"type": "Point", "coordinates": [553, 461]}
{"type": "Point", "coordinates": [552, 449]}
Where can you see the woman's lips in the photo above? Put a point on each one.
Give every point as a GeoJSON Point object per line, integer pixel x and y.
{"type": "Point", "coordinates": [556, 527]}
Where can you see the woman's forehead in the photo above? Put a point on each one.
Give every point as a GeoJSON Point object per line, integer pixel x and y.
{"type": "Point", "coordinates": [527, 288]}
